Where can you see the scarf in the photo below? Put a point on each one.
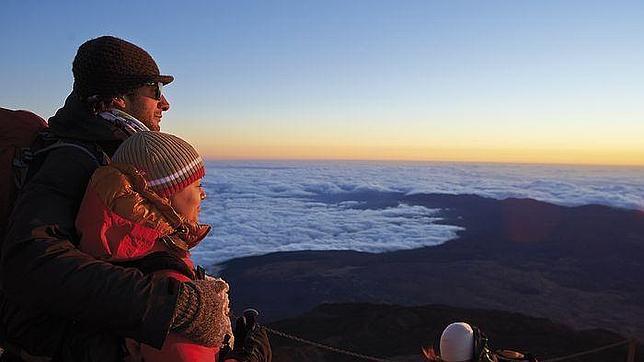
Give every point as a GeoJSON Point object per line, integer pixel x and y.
{"type": "Point", "coordinates": [122, 124]}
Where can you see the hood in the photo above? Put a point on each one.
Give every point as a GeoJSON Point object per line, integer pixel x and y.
{"type": "Point", "coordinates": [120, 218]}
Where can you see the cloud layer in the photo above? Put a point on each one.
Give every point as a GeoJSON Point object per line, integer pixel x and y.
{"type": "Point", "coordinates": [261, 207]}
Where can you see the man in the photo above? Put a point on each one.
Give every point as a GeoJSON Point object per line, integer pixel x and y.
{"type": "Point", "coordinates": [56, 302]}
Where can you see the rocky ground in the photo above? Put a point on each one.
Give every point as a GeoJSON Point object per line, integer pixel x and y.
{"type": "Point", "coordinates": [398, 333]}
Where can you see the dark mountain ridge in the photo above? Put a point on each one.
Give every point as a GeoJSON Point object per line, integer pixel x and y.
{"type": "Point", "coordinates": [583, 266]}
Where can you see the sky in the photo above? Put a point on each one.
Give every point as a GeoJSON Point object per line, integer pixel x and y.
{"type": "Point", "coordinates": [545, 81]}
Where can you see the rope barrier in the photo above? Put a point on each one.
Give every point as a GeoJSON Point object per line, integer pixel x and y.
{"type": "Point", "coordinates": [590, 351]}
{"type": "Point", "coordinates": [371, 358]}
{"type": "Point", "coordinates": [326, 347]}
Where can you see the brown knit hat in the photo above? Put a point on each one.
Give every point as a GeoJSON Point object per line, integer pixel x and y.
{"type": "Point", "coordinates": [109, 66]}
{"type": "Point", "coordinates": [167, 162]}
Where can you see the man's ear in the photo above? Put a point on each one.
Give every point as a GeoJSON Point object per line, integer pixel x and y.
{"type": "Point", "coordinates": [119, 102]}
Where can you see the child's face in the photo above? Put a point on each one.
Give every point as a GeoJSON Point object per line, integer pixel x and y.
{"type": "Point", "coordinates": [187, 202]}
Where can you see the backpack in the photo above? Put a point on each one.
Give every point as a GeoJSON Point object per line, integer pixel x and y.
{"type": "Point", "coordinates": [23, 137]}
{"type": "Point", "coordinates": [18, 130]}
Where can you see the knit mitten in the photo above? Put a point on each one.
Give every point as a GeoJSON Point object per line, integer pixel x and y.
{"type": "Point", "coordinates": [202, 313]}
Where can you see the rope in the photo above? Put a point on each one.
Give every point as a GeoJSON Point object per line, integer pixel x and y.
{"type": "Point", "coordinates": [324, 346]}
{"type": "Point", "coordinates": [590, 351]}
{"type": "Point", "coordinates": [370, 358]}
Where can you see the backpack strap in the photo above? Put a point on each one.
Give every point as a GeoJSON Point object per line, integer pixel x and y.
{"type": "Point", "coordinates": [25, 156]}
{"type": "Point", "coordinates": [62, 143]}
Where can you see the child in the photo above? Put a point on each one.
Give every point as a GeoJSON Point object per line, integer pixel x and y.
{"type": "Point", "coordinates": [142, 211]}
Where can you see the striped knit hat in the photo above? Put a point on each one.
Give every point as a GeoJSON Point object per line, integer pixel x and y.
{"type": "Point", "coordinates": [167, 162]}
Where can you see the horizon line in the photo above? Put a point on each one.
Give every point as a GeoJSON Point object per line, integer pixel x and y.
{"type": "Point", "coordinates": [525, 163]}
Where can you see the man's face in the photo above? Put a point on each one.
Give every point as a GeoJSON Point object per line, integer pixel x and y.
{"type": "Point", "coordinates": [142, 105]}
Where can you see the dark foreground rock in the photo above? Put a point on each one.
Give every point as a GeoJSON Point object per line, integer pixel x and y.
{"type": "Point", "coordinates": [396, 332]}
{"type": "Point", "coordinates": [582, 266]}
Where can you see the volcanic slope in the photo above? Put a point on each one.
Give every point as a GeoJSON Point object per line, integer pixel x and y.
{"type": "Point", "coordinates": [582, 266]}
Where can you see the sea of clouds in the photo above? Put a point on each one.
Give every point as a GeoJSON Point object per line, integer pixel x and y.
{"type": "Point", "coordinates": [261, 207]}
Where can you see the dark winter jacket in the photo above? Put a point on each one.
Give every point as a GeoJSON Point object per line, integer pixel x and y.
{"type": "Point", "coordinates": [55, 298]}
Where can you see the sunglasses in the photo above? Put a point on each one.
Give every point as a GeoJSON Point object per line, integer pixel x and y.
{"type": "Point", "coordinates": [156, 86]}
{"type": "Point", "coordinates": [158, 89]}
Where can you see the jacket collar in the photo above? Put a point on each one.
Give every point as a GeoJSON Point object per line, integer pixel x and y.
{"type": "Point", "coordinates": [75, 120]}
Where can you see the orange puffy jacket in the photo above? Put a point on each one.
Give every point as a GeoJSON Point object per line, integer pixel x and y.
{"type": "Point", "coordinates": [122, 221]}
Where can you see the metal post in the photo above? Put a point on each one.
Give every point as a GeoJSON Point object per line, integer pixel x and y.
{"type": "Point", "coordinates": [632, 348]}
